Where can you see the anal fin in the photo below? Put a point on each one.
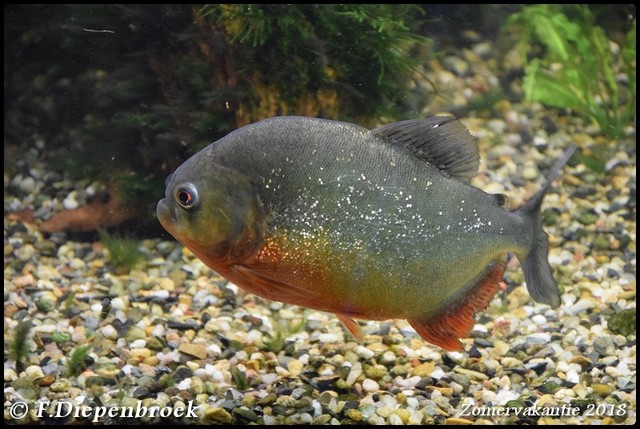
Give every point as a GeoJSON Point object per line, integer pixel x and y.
{"type": "Point", "coordinates": [351, 325]}
{"type": "Point", "coordinates": [447, 327]}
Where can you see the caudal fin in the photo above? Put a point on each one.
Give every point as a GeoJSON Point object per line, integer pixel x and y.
{"type": "Point", "coordinates": [537, 271]}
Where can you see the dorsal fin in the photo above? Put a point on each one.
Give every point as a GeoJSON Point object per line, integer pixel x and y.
{"type": "Point", "coordinates": [441, 141]}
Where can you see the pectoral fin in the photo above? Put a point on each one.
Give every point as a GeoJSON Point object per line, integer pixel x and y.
{"type": "Point", "coordinates": [447, 327]}
{"type": "Point", "coordinates": [270, 288]}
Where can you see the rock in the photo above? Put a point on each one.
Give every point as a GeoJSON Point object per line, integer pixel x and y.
{"type": "Point", "coordinates": [109, 332]}
{"type": "Point", "coordinates": [457, 65]}
{"type": "Point", "coordinates": [603, 345]}
{"type": "Point", "coordinates": [70, 202]}
{"type": "Point", "coordinates": [425, 369]}
{"type": "Point", "coordinates": [370, 385]}
{"type": "Point", "coordinates": [246, 414]}
{"type": "Point", "coordinates": [218, 415]}
{"type": "Point", "coordinates": [295, 367]}
{"type": "Point", "coordinates": [199, 351]}
{"type": "Point", "coordinates": [34, 371]}
{"type": "Point", "coordinates": [623, 322]}
{"type": "Point", "coordinates": [473, 374]}
{"type": "Point", "coordinates": [354, 415]}
{"type": "Point", "coordinates": [375, 372]}
{"type": "Point", "coordinates": [457, 421]}
{"type": "Point", "coordinates": [135, 333]}
{"type": "Point", "coordinates": [364, 352]}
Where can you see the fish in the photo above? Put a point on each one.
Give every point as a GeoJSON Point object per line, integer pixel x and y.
{"type": "Point", "coordinates": [370, 224]}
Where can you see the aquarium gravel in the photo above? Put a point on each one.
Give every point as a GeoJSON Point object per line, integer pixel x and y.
{"type": "Point", "coordinates": [169, 341]}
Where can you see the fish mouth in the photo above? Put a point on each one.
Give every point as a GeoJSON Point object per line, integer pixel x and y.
{"type": "Point", "coordinates": [165, 215]}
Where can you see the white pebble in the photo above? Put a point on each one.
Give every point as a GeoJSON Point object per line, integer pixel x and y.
{"type": "Point", "coordinates": [504, 382]}
{"type": "Point", "coordinates": [489, 397]}
{"type": "Point", "coordinates": [364, 352]}
{"type": "Point", "coordinates": [456, 387]}
{"type": "Point", "coordinates": [201, 373]}
{"type": "Point", "coordinates": [354, 373]}
{"type": "Point", "coordinates": [110, 332]}
{"type": "Point", "coordinates": [117, 303]}
{"type": "Point", "coordinates": [539, 338]}
{"type": "Point", "coordinates": [304, 358]}
{"type": "Point", "coordinates": [214, 348]}
{"type": "Point", "coordinates": [28, 185]}
{"type": "Point", "coordinates": [34, 371]}
{"type": "Point", "coordinates": [269, 378]}
{"type": "Point", "coordinates": [395, 420]}
{"type": "Point", "coordinates": [563, 394]}
{"type": "Point", "coordinates": [437, 373]}
{"type": "Point", "coordinates": [562, 366]}
{"type": "Point", "coordinates": [70, 203]}
{"type": "Point", "coordinates": [375, 420]}
{"type": "Point", "coordinates": [162, 294]}
{"type": "Point", "coordinates": [582, 305]}
{"type": "Point", "coordinates": [158, 331]}
{"type": "Point", "coordinates": [328, 338]}
{"type": "Point", "coordinates": [370, 385]}
{"type": "Point", "coordinates": [565, 356]}
{"type": "Point", "coordinates": [477, 328]}
{"type": "Point", "coordinates": [303, 419]}
{"type": "Point", "coordinates": [253, 336]}
{"type": "Point", "coordinates": [47, 329]}
{"type": "Point", "coordinates": [184, 384]}
{"type": "Point", "coordinates": [572, 376]}
{"type": "Point", "coordinates": [621, 370]}
{"type": "Point", "coordinates": [387, 357]}
{"type": "Point", "coordinates": [409, 382]}
{"type": "Point", "coordinates": [413, 403]}
{"type": "Point", "coordinates": [505, 396]}
{"type": "Point", "coordinates": [539, 319]}
{"type": "Point", "coordinates": [138, 344]}
{"type": "Point", "coordinates": [317, 407]}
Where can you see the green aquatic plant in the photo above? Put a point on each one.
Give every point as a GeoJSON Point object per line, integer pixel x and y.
{"type": "Point", "coordinates": [123, 252]}
{"type": "Point", "coordinates": [19, 345]}
{"type": "Point", "coordinates": [332, 60]}
{"type": "Point", "coordinates": [572, 64]}
{"type": "Point", "coordinates": [240, 379]}
{"type": "Point", "coordinates": [76, 363]}
{"type": "Point", "coordinates": [282, 330]}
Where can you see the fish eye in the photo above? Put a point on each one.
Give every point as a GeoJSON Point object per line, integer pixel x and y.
{"type": "Point", "coordinates": [187, 196]}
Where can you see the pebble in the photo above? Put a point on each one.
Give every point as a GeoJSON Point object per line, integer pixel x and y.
{"type": "Point", "coordinates": [328, 338]}
{"type": "Point", "coordinates": [473, 374]}
{"type": "Point", "coordinates": [28, 185]}
{"type": "Point", "coordinates": [538, 338]}
{"type": "Point", "coordinates": [109, 332]}
{"type": "Point", "coordinates": [364, 353]}
{"type": "Point", "coordinates": [425, 369]}
{"type": "Point", "coordinates": [218, 415]}
{"type": "Point", "coordinates": [457, 421]}
{"type": "Point", "coordinates": [199, 351]}
{"type": "Point", "coordinates": [34, 371]}
{"type": "Point", "coordinates": [70, 202]}
{"type": "Point", "coordinates": [295, 367]}
{"type": "Point", "coordinates": [370, 385]}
